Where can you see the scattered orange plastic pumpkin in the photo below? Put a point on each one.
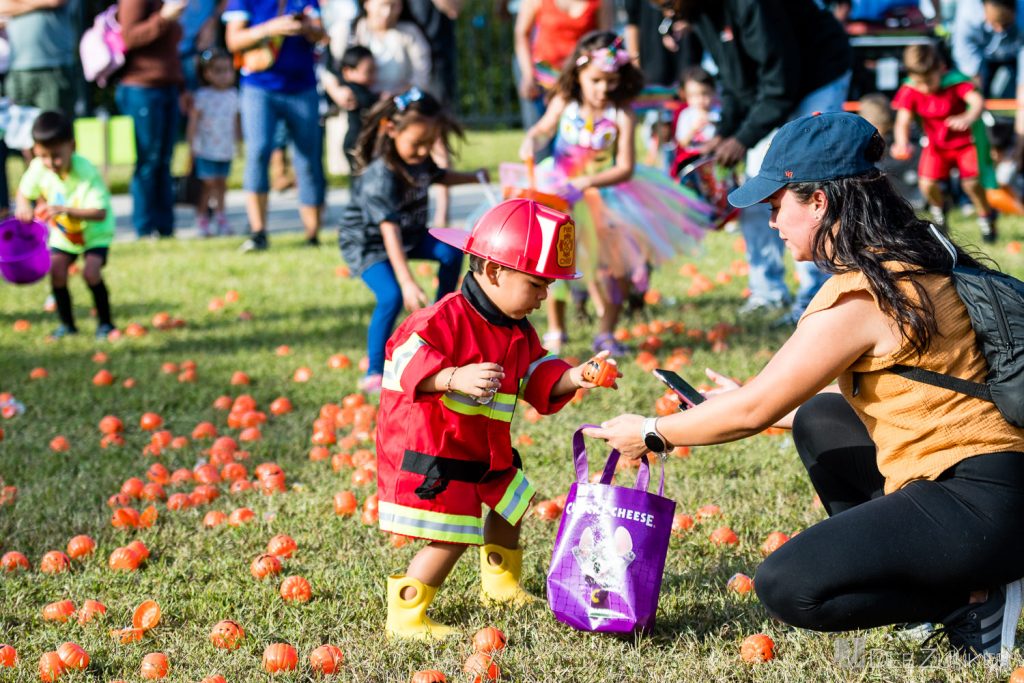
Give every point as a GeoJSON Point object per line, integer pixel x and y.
{"type": "Point", "coordinates": [154, 666]}
{"type": "Point", "coordinates": [54, 562]}
{"type": "Point", "coordinates": [488, 640]}
{"type": "Point", "coordinates": [345, 503]}
{"type": "Point", "coordinates": [50, 667]}
{"type": "Point", "coordinates": [227, 634]}
{"type": "Point", "coordinates": [282, 545]}
{"type": "Point", "coordinates": [724, 536]}
{"type": "Point", "coordinates": [429, 676]}
{"type": "Point", "coordinates": [326, 659]}
{"type": "Point", "coordinates": [58, 611]}
{"type": "Point", "coordinates": [279, 657]}
{"type": "Point", "coordinates": [740, 583]}
{"type": "Point", "coordinates": [264, 566]}
{"type": "Point", "coordinates": [482, 667]}
{"type": "Point", "coordinates": [150, 421]}
{"type": "Point", "coordinates": [90, 610]}
{"type": "Point", "coordinates": [757, 648]}
{"type": "Point", "coordinates": [128, 635]}
{"type": "Point", "coordinates": [146, 615]}
{"type": "Point", "coordinates": [8, 655]}
{"type": "Point", "coordinates": [12, 561]}
{"type": "Point", "coordinates": [773, 542]}
{"type": "Point", "coordinates": [296, 589]}
{"type": "Point", "coordinates": [124, 559]}
{"type": "Point", "coordinates": [73, 655]}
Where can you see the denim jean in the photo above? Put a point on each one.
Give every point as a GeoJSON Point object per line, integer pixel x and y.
{"type": "Point", "coordinates": [154, 112]}
{"type": "Point", "coordinates": [300, 111]}
{"type": "Point", "coordinates": [765, 249]}
{"type": "Point", "coordinates": [380, 278]}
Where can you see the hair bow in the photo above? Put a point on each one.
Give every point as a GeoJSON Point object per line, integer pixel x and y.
{"type": "Point", "coordinates": [608, 59]}
{"type": "Point", "coordinates": [411, 95]}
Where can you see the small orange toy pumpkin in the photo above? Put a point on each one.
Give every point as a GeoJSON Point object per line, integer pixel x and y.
{"type": "Point", "coordinates": [90, 610]}
{"type": "Point", "coordinates": [345, 503]}
{"type": "Point", "coordinates": [724, 536]}
{"type": "Point", "coordinates": [128, 635]}
{"type": "Point", "coordinates": [111, 424]}
{"type": "Point", "coordinates": [279, 657]}
{"type": "Point", "coordinates": [602, 372]}
{"type": "Point", "coordinates": [58, 611]}
{"type": "Point", "coordinates": [227, 634]}
{"type": "Point", "coordinates": [773, 542]}
{"type": "Point", "coordinates": [139, 548]}
{"type": "Point", "coordinates": [54, 562]}
{"type": "Point", "coordinates": [482, 667]}
{"type": "Point", "coordinates": [154, 665]}
{"type": "Point", "coordinates": [150, 421]}
{"type": "Point", "coordinates": [757, 648]}
{"type": "Point", "coordinates": [8, 655]}
{"type": "Point", "coordinates": [124, 559]}
{"type": "Point", "coordinates": [146, 615]}
{"type": "Point", "coordinates": [12, 561]}
{"type": "Point", "coordinates": [326, 659]}
{"type": "Point", "coordinates": [264, 566]}
{"type": "Point", "coordinates": [296, 589]}
{"type": "Point", "coordinates": [241, 516]}
{"type": "Point", "coordinates": [50, 667]}
{"type": "Point", "coordinates": [214, 518]}
{"type": "Point", "coordinates": [429, 676]}
{"type": "Point", "coordinates": [73, 655]}
{"type": "Point", "coordinates": [282, 545]}
{"type": "Point", "coordinates": [740, 583]}
{"type": "Point", "coordinates": [488, 640]}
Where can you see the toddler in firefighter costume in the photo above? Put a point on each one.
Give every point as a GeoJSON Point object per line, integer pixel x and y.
{"type": "Point", "coordinates": [452, 377]}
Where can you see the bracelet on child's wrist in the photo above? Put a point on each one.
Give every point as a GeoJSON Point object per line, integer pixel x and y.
{"type": "Point", "coordinates": [448, 384]}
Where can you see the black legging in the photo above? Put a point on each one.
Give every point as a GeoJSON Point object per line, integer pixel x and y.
{"type": "Point", "coordinates": [911, 556]}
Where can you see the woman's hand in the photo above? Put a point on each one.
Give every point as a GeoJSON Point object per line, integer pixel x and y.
{"type": "Point", "coordinates": [528, 89]}
{"type": "Point", "coordinates": [413, 296]}
{"type": "Point", "coordinates": [479, 380]}
{"type": "Point", "coordinates": [725, 384]}
{"type": "Point", "coordinates": [622, 433]}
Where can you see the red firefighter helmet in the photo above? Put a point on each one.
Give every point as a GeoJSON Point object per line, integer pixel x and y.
{"type": "Point", "coordinates": [521, 234]}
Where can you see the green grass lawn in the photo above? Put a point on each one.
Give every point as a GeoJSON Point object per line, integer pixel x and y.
{"type": "Point", "coordinates": [292, 296]}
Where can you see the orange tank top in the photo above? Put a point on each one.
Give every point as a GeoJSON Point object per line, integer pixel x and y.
{"type": "Point", "coordinates": [558, 31]}
{"type": "Point", "coordinates": [921, 430]}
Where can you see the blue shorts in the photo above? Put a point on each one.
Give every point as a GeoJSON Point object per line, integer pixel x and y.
{"type": "Point", "coordinates": [208, 169]}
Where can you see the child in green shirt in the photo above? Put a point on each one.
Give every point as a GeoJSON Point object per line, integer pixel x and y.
{"type": "Point", "coordinates": [66, 192]}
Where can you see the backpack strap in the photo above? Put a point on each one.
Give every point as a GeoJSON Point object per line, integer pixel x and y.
{"type": "Point", "coordinates": [938, 379]}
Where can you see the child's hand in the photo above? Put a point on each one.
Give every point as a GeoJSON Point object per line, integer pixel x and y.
{"type": "Point", "coordinates": [479, 380]}
{"type": "Point", "coordinates": [960, 122]}
{"type": "Point", "coordinates": [900, 152]}
{"type": "Point", "coordinates": [23, 210]}
{"type": "Point", "coordinates": [413, 297]}
{"type": "Point", "coordinates": [582, 183]}
{"type": "Point", "coordinates": [49, 212]}
{"type": "Point", "coordinates": [528, 149]}
{"type": "Point", "coordinates": [578, 372]}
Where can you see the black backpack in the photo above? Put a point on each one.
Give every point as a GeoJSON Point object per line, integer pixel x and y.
{"type": "Point", "coordinates": [995, 304]}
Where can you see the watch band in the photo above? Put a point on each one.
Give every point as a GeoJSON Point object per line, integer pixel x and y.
{"type": "Point", "coordinates": [649, 432]}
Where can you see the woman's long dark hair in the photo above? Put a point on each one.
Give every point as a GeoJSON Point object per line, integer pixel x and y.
{"type": "Point", "coordinates": [374, 142]}
{"type": "Point", "coordinates": [631, 79]}
{"type": "Point", "coordinates": [875, 224]}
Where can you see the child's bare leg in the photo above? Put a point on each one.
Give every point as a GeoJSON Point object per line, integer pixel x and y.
{"type": "Point", "coordinates": [556, 323]}
{"type": "Point", "coordinates": [218, 189]}
{"type": "Point", "coordinates": [931, 191]}
{"type": "Point", "coordinates": [499, 532]}
{"type": "Point", "coordinates": [432, 564]}
{"type": "Point", "coordinates": [976, 193]}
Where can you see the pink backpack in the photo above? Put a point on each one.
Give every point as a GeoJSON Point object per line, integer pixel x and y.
{"type": "Point", "coordinates": [102, 47]}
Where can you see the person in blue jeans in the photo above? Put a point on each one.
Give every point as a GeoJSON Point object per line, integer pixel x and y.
{"type": "Point", "coordinates": [778, 60]}
{"type": "Point", "coordinates": [150, 82]}
{"type": "Point", "coordinates": [277, 39]}
{"type": "Point", "coordinates": [384, 226]}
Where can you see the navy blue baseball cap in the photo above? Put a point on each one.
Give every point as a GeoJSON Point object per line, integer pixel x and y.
{"type": "Point", "coordinates": [815, 147]}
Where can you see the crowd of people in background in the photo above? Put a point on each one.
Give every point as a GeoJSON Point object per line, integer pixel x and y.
{"type": "Point", "coordinates": [274, 74]}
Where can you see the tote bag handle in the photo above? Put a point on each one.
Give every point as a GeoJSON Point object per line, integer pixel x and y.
{"type": "Point", "coordinates": [579, 454]}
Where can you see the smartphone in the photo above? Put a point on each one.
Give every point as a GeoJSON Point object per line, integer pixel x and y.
{"type": "Point", "coordinates": [690, 396]}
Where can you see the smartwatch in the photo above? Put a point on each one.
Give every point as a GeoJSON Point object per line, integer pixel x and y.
{"type": "Point", "coordinates": [654, 441]}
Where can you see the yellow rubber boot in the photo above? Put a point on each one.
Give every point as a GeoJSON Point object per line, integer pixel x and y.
{"type": "Point", "coordinates": [499, 583]}
{"type": "Point", "coordinates": [407, 618]}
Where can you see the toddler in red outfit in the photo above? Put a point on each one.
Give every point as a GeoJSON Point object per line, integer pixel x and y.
{"type": "Point", "coordinates": [453, 376]}
{"type": "Point", "coordinates": [948, 105]}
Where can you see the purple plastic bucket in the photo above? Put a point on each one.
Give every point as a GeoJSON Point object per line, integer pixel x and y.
{"type": "Point", "coordinates": [24, 257]}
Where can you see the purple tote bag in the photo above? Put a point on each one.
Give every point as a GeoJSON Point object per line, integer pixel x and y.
{"type": "Point", "coordinates": [609, 555]}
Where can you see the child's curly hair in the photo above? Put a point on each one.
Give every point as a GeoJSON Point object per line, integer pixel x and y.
{"type": "Point", "coordinates": [631, 79]}
{"type": "Point", "coordinates": [401, 111]}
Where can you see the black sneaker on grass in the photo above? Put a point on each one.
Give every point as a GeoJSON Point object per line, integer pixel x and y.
{"type": "Point", "coordinates": [987, 628]}
{"type": "Point", "coordinates": [63, 331]}
{"type": "Point", "coordinates": [257, 242]}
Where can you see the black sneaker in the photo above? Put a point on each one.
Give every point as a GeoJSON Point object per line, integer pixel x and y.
{"type": "Point", "coordinates": [63, 331]}
{"type": "Point", "coordinates": [987, 628]}
{"type": "Point", "coordinates": [313, 241]}
{"type": "Point", "coordinates": [257, 242]}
